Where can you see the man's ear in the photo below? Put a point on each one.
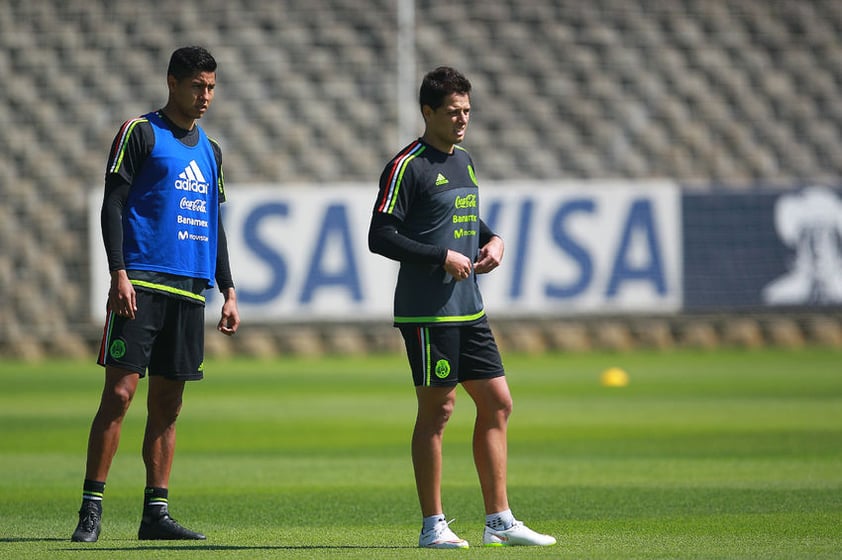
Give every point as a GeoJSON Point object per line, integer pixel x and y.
{"type": "Point", "coordinates": [426, 111]}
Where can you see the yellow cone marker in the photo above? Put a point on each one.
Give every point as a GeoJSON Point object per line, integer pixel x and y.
{"type": "Point", "coordinates": [614, 377]}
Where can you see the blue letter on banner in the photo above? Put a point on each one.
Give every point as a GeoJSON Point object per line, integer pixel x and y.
{"type": "Point", "coordinates": [640, 219]}
{"type": "Point", "coordinates": [266, 253]}
{"type": "Point", "coordinates": [573, 249]}
{"type": "Point", "coordinates": [335, 225]}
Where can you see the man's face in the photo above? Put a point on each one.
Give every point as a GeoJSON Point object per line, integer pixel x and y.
{"type": "Point", "coordinates": [191, 97]}
{"type": "Point", "coordinates": [446, 125]}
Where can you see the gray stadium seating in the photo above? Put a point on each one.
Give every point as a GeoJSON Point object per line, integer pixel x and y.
{"type": "Point", "coordinates": [737, 93]}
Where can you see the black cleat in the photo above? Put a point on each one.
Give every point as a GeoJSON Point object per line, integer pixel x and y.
{"type": "Point", "coordinates": [165, 528]}
{"type": "Point", "coordinates": [88, 528]}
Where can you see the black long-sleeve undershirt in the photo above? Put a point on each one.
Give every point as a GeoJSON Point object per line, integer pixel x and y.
{"type": "Point", "coordinates": [224, 278]}
{"type": "Point", "coordinates": [111, 220]}
{"type": "Point", "coordinates": [385, 238]}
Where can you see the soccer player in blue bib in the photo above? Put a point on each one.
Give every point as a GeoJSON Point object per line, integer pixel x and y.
{"type": "Point", "coordinates": [165, 245]}
{"type": "Point", "coordinates": [427, 217]}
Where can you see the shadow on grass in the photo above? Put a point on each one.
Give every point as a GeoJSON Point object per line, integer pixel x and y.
{"type": "Point", "coordinates": [30, 539]}
{"type": "Point", "coordinates": [82, 547]}
{"type": "Point", "coordinates": [91, 547]}
{"type": "Point", "coordinates": [218, 547]}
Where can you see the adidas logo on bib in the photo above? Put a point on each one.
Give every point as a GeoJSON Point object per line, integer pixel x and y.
{"type": "Point", "coordinates": [192, 179]}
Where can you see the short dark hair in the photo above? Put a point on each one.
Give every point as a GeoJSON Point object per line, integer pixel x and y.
{"type": "Point", "coordinates": [440, 83]}
{"type": "Point", "coordinates": [186, 62]}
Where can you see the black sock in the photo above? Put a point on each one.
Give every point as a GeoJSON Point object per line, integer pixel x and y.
{"type": "Point", "coordinates": [154, 502]}
{"type": "Point", "coordinates": [92, 491]}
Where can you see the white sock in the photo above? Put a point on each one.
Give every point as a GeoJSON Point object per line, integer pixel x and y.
{"type": "Point", "coordinates": [431, 521]}
{"type": "Point", "coordinates": [500, 521]}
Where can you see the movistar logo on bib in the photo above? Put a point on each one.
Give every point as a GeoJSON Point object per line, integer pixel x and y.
{"type": "Point", "coordinates": [191, 179]}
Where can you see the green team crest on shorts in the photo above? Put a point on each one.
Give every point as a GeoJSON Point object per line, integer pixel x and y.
{"type": "Point", "coordinates": [117, 349]}
{"type": "Point", "coordinates": [442, 369]}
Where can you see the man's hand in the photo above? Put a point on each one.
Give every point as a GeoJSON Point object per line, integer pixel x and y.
{"type": "Point", "coordinates": [457, 265]}
{"type": "Point", "coordinates": [122, 298]}
{"type": "Point", "coordinates": [230, 320]}
{"type": "Point", "coordinates": [490, 256]}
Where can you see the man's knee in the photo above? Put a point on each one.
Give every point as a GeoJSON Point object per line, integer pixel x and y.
{"type": "Point", "coordinates": [435, 408]}
{"type": "Point", "coordinates": [119, 390]}
{"type": "Point", "coordinates": [165, 400]}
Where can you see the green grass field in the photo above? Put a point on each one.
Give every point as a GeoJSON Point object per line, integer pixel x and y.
{"type": "Point", "coordinates": [731, 454]}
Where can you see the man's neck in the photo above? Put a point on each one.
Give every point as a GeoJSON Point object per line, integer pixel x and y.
{"type": "Point", "coordinates": [444, 148]}
{"type": "Point", "coordinates": [183, 123]}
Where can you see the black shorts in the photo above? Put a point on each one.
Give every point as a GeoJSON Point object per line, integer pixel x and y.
{"type": "Point", "coordinates": [166, 337]}
{"type": "Point", "coordinates": [442, 356]}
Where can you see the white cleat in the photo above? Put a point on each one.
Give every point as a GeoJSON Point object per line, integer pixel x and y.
{"type": "Point", "coordinates": [441, 536]}
{"type": "Point", "coordinates": [517, 535]}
